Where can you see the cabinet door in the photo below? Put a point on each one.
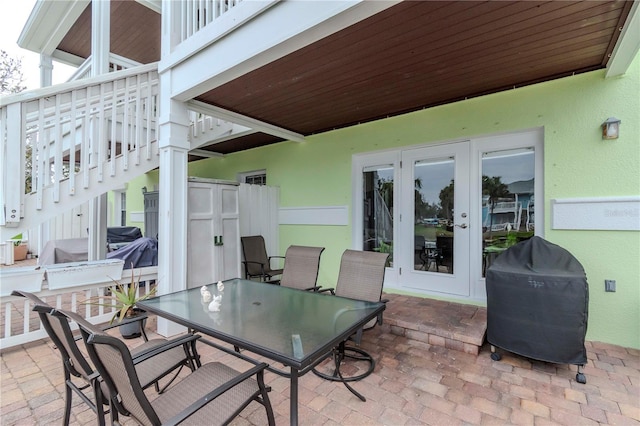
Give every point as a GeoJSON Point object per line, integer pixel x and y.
{"type": "Point", "coordinates": [201, 230]}
{"type": "Point", "coordinates": [228, 254]}
{"type": "Point", "coordinates": [213, 240]}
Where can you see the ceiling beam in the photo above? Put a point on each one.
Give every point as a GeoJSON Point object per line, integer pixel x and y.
{"type": "Point", "coordinates": [204, 153]}
{"type": "Point", "coordinates": [628, 44]}
{"type": "Point", "coordinates": [155, 5]}
{"type": "Point", "coordinates": [234, 117]}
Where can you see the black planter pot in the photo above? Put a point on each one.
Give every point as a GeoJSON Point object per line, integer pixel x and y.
{"type": "Point", "coordinates": [132, 327]}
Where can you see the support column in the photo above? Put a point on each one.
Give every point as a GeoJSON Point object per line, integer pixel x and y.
{"type": "Point", "coordinates": [98, 228]}
{"type": "Point", "coordinates": [46, 70]}
{"type": "Point", "coordinates": [172, 205]}
{"type": "Point", "coordinates": [100, 39]}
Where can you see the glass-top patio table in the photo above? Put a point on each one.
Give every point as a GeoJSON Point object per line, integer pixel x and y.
{"type": "Point", "coordinates": [293, 327]}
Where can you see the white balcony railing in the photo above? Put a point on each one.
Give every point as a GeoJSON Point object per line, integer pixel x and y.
{"type": "Point", "coordinates": [197, 14]}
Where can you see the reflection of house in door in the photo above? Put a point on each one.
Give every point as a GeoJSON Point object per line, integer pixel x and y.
{"type": "Point", "coordinates": [515, 209]}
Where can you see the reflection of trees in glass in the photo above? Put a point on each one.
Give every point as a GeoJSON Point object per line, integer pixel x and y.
{"type": "Point", "coordinates": [446, 201]}
{"type": "Point", "coordinates": [385, 189]}
{"type": "Point", "coordinates": [494, 188]}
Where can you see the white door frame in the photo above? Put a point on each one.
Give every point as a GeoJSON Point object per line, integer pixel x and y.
{"type": "Point", "coordinates": [451, 284]}
{"type": "Point", "coordinates": [504, 141]}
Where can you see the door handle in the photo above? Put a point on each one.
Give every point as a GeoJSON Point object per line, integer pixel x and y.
{"type": "Point", "coordinates": [463, 226]}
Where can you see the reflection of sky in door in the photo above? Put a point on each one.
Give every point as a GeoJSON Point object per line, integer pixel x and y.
{"type": "Point", "coordinates": [511, 166]}
{"type": "Point", "coordinates": [435, 175]}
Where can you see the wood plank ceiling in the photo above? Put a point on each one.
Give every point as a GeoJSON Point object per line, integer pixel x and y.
{"type": "Point", "coordinates": [414, 55]}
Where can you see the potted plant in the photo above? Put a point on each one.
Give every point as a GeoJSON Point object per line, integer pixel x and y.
{"type": "Point", "coordinates": [19, 248]}
{"type": "Point", "coordinates": [124, 297]}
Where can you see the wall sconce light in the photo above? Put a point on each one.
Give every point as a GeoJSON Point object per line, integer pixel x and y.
{"type": "Point", "coordinates": [611, 128]}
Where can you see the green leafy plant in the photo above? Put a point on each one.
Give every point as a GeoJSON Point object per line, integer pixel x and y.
{"type": "Point", "coordinates": [512, 240]}
{"type": "Point", "coordinates": [17, 240]}
{"type": "Point", "coordinates": [123, 296]}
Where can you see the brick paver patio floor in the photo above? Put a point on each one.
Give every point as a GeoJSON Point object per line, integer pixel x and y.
{"type": "Point", "coordinates": [414, 383]}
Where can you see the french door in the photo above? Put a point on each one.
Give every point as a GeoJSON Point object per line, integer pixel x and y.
{"type": "Point", "coordinates": [445, 212]}
{"type": "Point", "coordinates": [435, 224]}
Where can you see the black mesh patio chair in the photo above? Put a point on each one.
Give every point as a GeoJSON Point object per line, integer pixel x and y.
{"type": "Point", "coordinates": [301, 266]}
{"type": "Point", "coordinates": [79, 373]}
{"type": "Point", "coordinates": [214, 394]}
{"type": "Point", "coordinates": [361, 277]}
{"type": "Point", "coordinates": [256, 261]}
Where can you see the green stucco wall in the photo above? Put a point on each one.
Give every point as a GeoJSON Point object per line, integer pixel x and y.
{"type": "Point", "coordinates": [577, 163]}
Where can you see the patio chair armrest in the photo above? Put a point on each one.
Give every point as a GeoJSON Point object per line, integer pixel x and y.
{"type": "Point", "coordinates": [139, 317]}
{"type": "Point", "coordinates": [315, 288]}
{"type": "Point", "coordinates": [324, 290]}
{"type": "Point", "coordinates": [211, 396]}
{"type": "Point", "coordinates": [247, 262]}
{"type": "Point", "coordinates": [170, 344]}
{"type": "Point", "coordinates": [276, 257]}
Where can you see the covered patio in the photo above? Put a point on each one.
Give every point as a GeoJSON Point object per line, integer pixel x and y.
{"type": "Point", "coordinates": [421, 377]}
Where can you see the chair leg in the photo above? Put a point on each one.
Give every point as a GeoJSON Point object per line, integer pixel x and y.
{"type": "Point", "coordinates": [67, 400]}
{"type": "Point", "coordinates": [339, 355]}
{"type": "Point", "coordinates": [97, 390]}
{"type": "Point", "coordinates": [265, 399]}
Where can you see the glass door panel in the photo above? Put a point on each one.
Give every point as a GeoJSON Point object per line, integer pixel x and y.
{"type": "Point", "coordinates": [377, 209]}
{"type": "Point", "coordinates": [434, 202]}
{"type": "Point", "coordinates": [435, 237]}
{"type": "Point", "coordinates": [508, 201]}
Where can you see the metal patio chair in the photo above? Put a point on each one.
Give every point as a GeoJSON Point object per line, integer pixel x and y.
{"type": "Point", "coordinates": [361, 277]}
{"type": "Point", "coordinates": [211, 395]}
{"type": "Point", "coordinates": [301, 266]}
{"type": "Point", "coordinates": [79, 373]}
{"type": "Point", "coordinates": [256, 261]}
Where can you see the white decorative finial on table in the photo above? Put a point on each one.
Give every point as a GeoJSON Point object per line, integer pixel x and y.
{"type": "Point", "coordinates": [214, 306]}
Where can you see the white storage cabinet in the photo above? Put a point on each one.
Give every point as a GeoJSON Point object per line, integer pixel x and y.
{"type": "Point", "coordinates": [213, 232]}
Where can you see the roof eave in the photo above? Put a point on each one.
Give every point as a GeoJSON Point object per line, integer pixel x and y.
{"type": "Point", "coordinates": [628, 44]}
{"type": "Point", "coordinates": [48, 23]}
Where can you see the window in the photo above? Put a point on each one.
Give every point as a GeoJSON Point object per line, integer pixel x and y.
{"type": "Point", "coordinates": [123, 208]}
{"type": "Point", "coordinates": [257, 177]}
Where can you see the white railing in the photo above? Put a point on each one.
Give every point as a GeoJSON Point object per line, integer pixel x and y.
{"type": "Point", "coordinates": [73, 133]}
{"type": "Point", "coordinates": [509, 206]}
{"type": "Point", "coordinates": [197, 14]}
{"type": "Point", "coordinates": [116, 63]}
{"type": "Point", "coordinates": [21, 325]}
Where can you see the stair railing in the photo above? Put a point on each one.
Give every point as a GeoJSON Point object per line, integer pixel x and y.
{"type": "Point", "coordinates": [72, 134]}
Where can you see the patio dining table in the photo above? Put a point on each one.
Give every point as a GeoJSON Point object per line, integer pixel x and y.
{"type": "Point", "coordinates": [294, 327]}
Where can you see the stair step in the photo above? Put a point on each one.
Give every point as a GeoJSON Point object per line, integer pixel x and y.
{"type": "Point", "coordinates": [440, 323]}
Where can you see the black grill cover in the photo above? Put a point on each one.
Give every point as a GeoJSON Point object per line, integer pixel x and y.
{"type": "Point", "coordinates": [138, 254]}
{"type": "Point", "coordinates": [537, 303]}
{"type": "Point", "coordinates": [123, 234]}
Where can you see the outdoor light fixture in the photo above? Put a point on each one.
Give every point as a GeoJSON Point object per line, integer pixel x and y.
{"type": "Point", "coordinates": [611, 128]}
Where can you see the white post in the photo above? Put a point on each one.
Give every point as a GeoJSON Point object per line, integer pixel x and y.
{"type": "Point", "coordinates": [172, 205]}
{"type": "Point", "coordinates": [100, 46]}
{"type": "Point", "coordinates": [46, 70]}
{"type": "Point", "coordinates": [171, 26]}
{"type": "Point", "coordinates": [100, 34]}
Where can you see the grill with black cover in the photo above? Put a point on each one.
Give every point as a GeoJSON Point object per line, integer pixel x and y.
{"type": "Point", "coordinates": [537, 304]}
